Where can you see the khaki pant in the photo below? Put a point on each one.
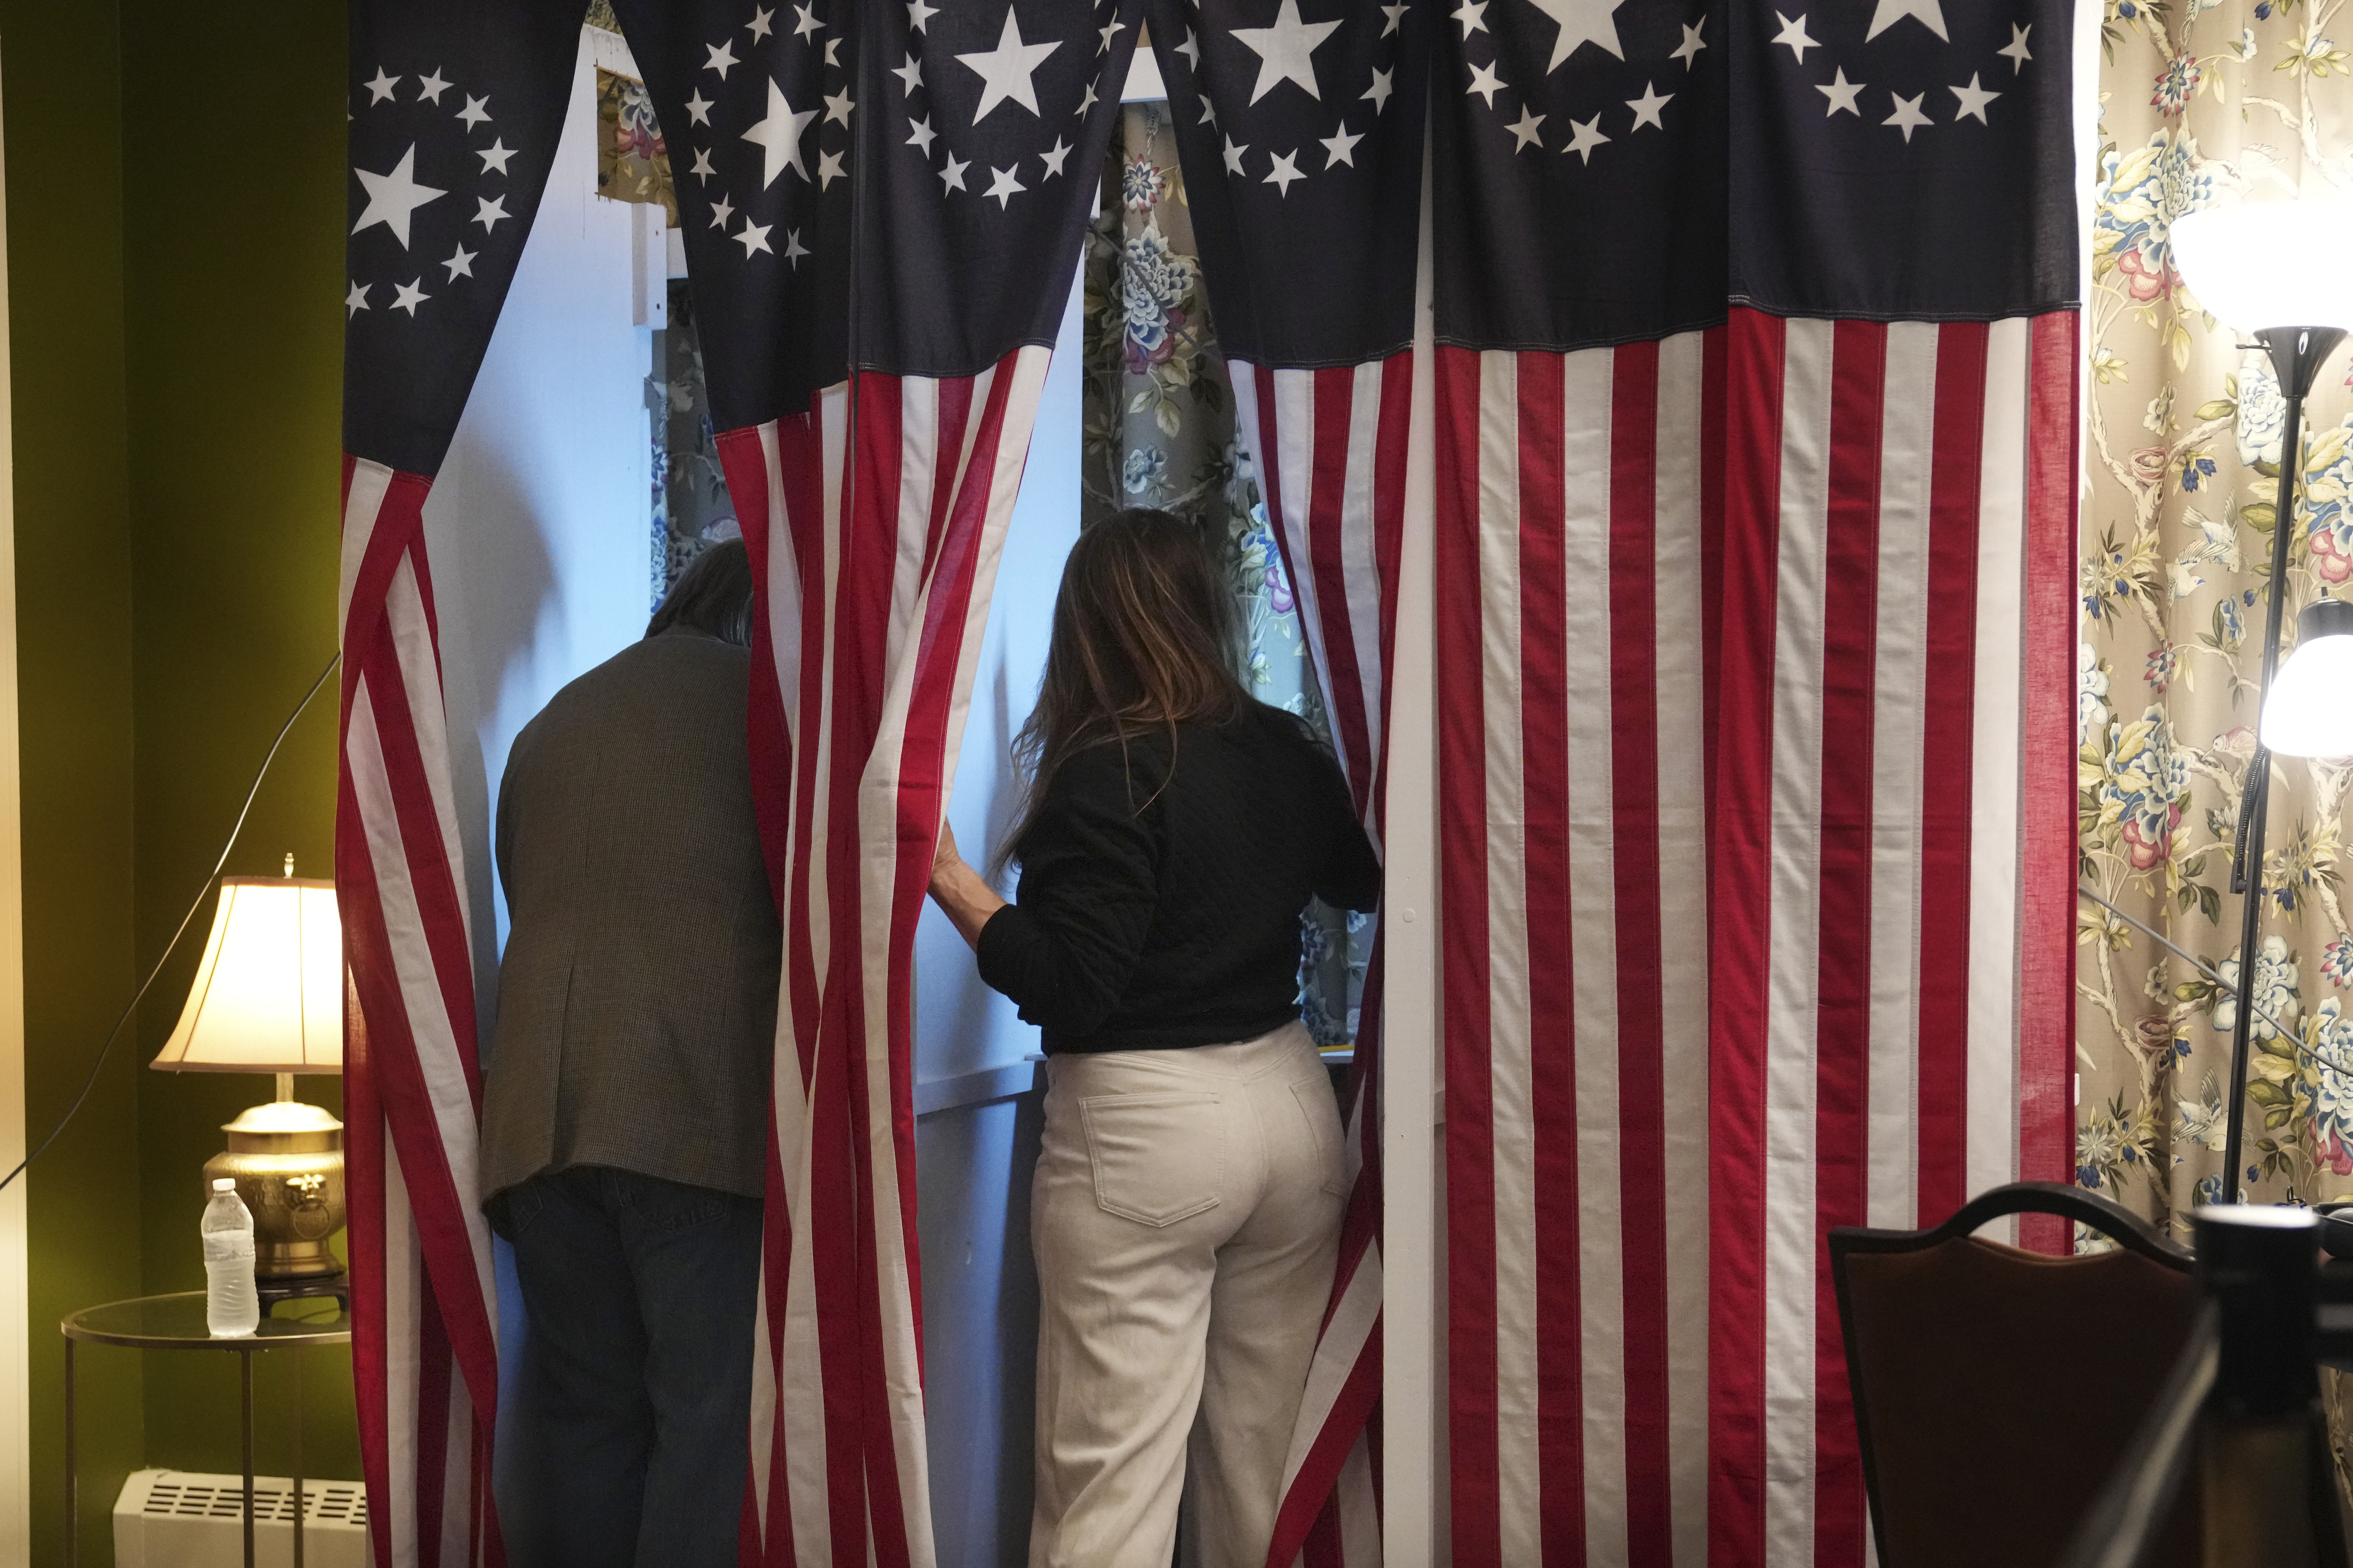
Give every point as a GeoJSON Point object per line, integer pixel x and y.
{"type": "Point", "coordinates": [1185, 1216]}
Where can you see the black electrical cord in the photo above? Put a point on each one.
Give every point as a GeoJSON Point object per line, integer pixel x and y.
{"type": "Point", "coordinates": [202, 893]}
{"type": "Point", "coordinates": [2209, 974]}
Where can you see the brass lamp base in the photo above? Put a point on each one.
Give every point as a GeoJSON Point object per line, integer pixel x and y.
{"type": "Point", "coordinates": [286, 1159]}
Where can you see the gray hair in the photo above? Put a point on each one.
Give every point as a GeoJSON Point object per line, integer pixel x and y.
{"type": "Point", "coordinates": [713, 596]}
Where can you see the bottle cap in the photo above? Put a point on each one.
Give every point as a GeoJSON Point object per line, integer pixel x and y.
{"type": "Point", "coordinates": [223, 1184]}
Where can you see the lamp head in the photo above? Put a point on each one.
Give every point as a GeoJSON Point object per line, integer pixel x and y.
{"type": "Point", "coordinates": [268, 993]}
{"type": "Point", "coordinates": [2262, 265]}
{"type": "Point", "coordinates": [2308, 711]}
{"type": "Point", "coordinates": [268, 998]}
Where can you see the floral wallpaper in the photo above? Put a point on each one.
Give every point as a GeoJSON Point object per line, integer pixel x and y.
{"type": "Point", "coordinates": [1160, 433]}
{"type": "Point", "coordinates": [2205, 102]}
{"type": "Point", "coordinates": [632, 164]}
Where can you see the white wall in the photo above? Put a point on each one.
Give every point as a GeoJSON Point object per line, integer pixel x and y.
{"type": "Point", "coordinates": [961, 1027]}
{"type": "Point", "coordinates": [539, 527]}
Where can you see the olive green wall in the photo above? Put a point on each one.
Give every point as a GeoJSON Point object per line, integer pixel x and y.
{"type": "Point", "coordinates": [175, 205]}
{"type": "Point", "coordinates": [62, 91]}
{"type": "Point", "coordinates": [233, 245]}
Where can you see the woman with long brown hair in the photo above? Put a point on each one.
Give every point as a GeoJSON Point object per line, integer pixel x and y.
{"type": "Point", "coordinates": [1186, 1211]}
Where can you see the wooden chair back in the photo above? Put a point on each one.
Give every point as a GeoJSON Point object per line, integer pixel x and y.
{"type": "Point", "coordinates": [1994, 1388]}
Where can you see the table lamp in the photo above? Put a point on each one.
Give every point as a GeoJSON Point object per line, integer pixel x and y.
{"type": "Point", "coordinates": [268, 998]}
{"type": "Point", "coordinates": [2270, 262]}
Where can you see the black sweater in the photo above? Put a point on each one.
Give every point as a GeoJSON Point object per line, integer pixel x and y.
{"type": "Point", "coordinates": [1149, 920]}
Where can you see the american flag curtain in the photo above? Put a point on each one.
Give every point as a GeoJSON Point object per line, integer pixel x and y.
{"type": "Point", "coordinates": [1340, 537]}
{"type": "Point", "coordinates": [455, 112]}
{"type": "Point", "coordinates": [1645, 1153]}
{"type": "Point", "coordinates": [1303, 142]}
{"type": "Point", "coordinates": [1754, 454]}
{"type": "Point", "coordinates": [1893, 827]}
{"type": "Point", "coordinates": [1754, 392]}
{"type": "Point", "coordinates": [1754, 396]}
{"type": "Point", "coordinates": [882, 208]}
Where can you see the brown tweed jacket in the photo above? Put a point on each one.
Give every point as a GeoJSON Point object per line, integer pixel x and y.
{"type": "Point", "coordinates": [638, 994]}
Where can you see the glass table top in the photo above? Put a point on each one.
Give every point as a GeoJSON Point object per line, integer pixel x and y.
{"type": "Point", "coordinates": [177, 1322]}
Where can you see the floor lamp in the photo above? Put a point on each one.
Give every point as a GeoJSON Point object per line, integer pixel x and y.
{"type": "Point", "coordinates": [2278, 261]}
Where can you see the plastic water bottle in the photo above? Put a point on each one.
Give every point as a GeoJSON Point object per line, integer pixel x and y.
{"type": "Point", "coordinates": [231, 1307]}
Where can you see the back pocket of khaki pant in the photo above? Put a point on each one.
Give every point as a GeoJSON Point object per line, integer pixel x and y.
{"type": "Point", "coordinates": [1157, 1158]}
{"type": "Point", "coordinates": [1322, 1108]}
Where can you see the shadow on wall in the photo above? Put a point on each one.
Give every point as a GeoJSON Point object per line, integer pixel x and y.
{"type": "Point", "coordinates": [494, 601]}
{"type": "Point", "coordinates": [539, 522]}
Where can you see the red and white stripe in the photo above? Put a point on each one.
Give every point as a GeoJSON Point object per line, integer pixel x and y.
{"type": "Point", "coordinates": [424, 1346]}
{"type": "Point", "coordinates": [875, 523]}
{"type": "Point", "coordinates": [1329, 448]}
{"type": "Point", "coordinates": [1817, 573]}
{"type": "Point", "coordinates": [1573, 882]}
{"type": "Point", "coordinates": [1892, 959]}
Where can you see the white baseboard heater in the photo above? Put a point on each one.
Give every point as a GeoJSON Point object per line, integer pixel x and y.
{"type": "Point", "coordinates": [177, 1519]}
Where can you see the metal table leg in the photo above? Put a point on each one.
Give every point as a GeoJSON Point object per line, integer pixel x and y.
{"type": "Point", "coordinates": [73, 1469]}
{"type": "Point", "coordinates": [295, 1355]}
{"type": "Point", "coordinates": [245, 1378]}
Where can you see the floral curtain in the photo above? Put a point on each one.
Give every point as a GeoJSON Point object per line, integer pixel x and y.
{"type": "Point", "coordinates": [632, 160]}
{"type": "Point", "coordinates": [1160, 433]}
{"type": "Point", "coordinates": [2203, 104]}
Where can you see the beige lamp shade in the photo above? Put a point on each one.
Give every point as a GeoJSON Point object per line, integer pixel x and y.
{"type": "Point", "coordinates": [268, 996]}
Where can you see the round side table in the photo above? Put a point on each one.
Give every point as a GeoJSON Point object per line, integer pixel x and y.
{"type": "Point", "coordinates": [176, 1323]}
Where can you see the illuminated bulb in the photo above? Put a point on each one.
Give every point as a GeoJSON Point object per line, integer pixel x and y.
{"type": "Point", "coordinates": [2308, 711]}
{"type": "Point", "coordinates": [2260, 265]}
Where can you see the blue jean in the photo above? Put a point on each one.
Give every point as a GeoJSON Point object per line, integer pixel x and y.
{"type": "Point", "coordinates": [631, 1434]}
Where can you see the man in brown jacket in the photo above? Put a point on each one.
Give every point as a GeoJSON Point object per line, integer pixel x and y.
{"type": "Point", "coordinates": [625, 1114]}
